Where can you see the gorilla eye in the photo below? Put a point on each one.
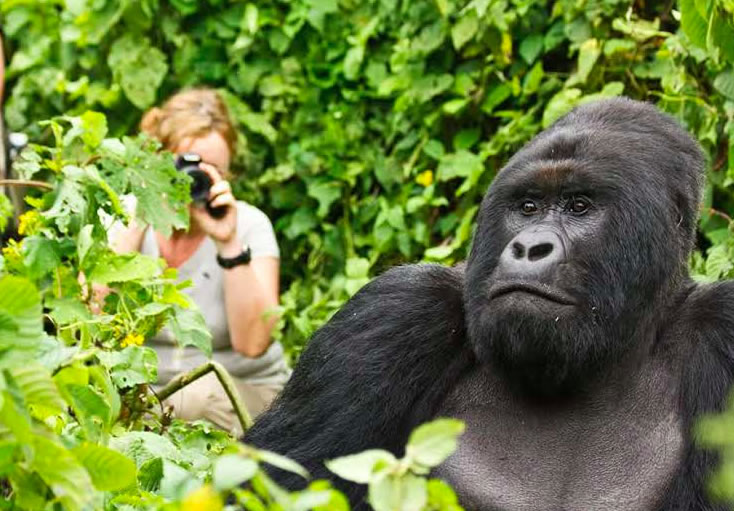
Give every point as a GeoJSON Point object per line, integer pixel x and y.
{"type": "Point", "coordinates": [579, 205]}
{"type": "Point", "coordinates": [528, 207]}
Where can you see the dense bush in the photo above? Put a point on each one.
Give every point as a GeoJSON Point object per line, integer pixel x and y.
{"type": "Point", "coordinates": [372, 128]}
{"type": "Point", "coordinates": [80, 427]}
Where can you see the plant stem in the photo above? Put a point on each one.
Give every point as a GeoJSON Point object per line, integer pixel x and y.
{"type": "Point", "coordinates": [225, 380]}
{"type": "Point", "coordinates": [26, 182]}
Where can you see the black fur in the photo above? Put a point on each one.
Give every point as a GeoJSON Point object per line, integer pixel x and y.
{"type": "Point", "coordinates": [387, 361]}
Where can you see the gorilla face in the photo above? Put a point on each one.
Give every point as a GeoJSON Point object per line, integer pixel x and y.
{"type": "Point", "coordinates": [579, 238]}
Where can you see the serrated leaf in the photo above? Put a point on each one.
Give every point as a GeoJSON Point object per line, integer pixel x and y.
{"type": "Point", "coordinates": [130, 366]}
{"type": "Point", "coordinates": [430, 444]}
{"type": "Point", "coordinates": [143, 446]}
{"type": "Point", "coordinates": [359, 468]}
{"type": "Point", "coordinates": [124, 268]}
{"type": "Point", "coordinates": [109, 470]}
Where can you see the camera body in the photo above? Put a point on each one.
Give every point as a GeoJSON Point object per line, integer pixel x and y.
{"type": "Point", "coordinates": [201, 182]}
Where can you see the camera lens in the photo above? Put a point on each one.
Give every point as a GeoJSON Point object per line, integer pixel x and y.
{"type": "Point", "coordinates": [200, 180]}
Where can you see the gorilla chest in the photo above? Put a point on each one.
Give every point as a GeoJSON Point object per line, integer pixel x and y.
{"type": "Point", "coordinates": [619, 454]}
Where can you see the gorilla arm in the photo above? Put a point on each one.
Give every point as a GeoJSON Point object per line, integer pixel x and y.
{"type": "Point", "coordinates": [379, 367]}
{"type": "Point", "coordinates": [707, 323]}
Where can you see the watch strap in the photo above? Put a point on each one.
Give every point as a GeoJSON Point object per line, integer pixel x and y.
{"type": "Point", "coordinates": [230, 262]}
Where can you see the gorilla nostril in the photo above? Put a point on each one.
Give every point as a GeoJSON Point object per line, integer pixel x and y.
{"type": "Point", "coordinates": [518, 250]}
{"type": "Point", "coordinates": [540, 251]}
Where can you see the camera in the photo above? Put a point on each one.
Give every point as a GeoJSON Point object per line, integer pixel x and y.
{"type": "Point", "coordinates": [201, 183]}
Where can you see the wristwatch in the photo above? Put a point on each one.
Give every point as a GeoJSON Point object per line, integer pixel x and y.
{"type": "Point", "coordinates": [230, 262]}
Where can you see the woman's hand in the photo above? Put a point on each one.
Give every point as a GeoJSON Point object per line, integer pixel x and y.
{"type": "Point", "coordinates": [223, 231]}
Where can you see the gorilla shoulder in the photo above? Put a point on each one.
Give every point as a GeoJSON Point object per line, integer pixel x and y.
{"type": "Point", "coordinates": [362, 381]}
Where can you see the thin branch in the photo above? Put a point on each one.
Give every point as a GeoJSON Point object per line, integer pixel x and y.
{"type": "Point", "coordinates": [25, 182]}
{"type": "Point", "coordinates": [225, 380]}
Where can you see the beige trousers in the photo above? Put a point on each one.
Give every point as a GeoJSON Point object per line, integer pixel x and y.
{"type": "Point", "coordinates": [205, 399]}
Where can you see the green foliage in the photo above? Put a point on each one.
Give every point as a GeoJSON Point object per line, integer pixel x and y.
{"type": "Point", "coordinates": [79, 427]}
{"type": "Point", "coordinates": [370, 130]}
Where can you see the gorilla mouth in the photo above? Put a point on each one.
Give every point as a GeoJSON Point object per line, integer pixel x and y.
{"type": "Point", "coordinates": [542, 291]}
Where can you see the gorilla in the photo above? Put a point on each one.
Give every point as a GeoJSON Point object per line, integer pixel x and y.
{"type": "Point", "coordinates": [573, 343]}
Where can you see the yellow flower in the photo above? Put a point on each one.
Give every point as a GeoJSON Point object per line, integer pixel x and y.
{"type": "Point", "coordinates": [203, 499]}
{"type": "Point", "coordinates": [132, 339]}
{"type": "Point", "coordinates": [425, 178]}
{"type": "Point", "coordinates": [29, 222]}
{"type": "Point", "coordinates": [11, 252]}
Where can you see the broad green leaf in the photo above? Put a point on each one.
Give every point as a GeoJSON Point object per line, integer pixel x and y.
{"type": "Point", "coordinates": [150, 474]}
{"type": "Point", "coordinates": [282, 463]}
{"type": "Point", "coordinates": [531, 47]}
{"type": "Point", "coordinates": [84, 242]}
{"type": "Point", "coordinates": [326, 193]}
{"type": "Point", "coordinates": [109, 470]}
{"type": "Point", "coordinates": [143, 446]}
{"type": "Point", "coordinates": [465, 29]}
{"type": "Point", "coordinates": [391, 493]}
{"type": "Point", "coordinates": [91, 408]}
{"type": "Point", "coordinates": [724, 83]}
{"type": "Point", "coordinates": [231, 470]}
{"type": "Point", "coordinates": [63, 473]}
{"type": "Point", "coordinates": [359, 468]}
{"type": "Point", "coordinates": [459, 164]}
{"type": "Point", "coordinates": [588, 55]}
{"type": "Point", "coordinates": [124, 268]}
{"type": "Point", "coordinates": [131, 365]}
{"type": "Point", "coordinates": [496, 95]}
{"type": "Point", "coordinates": [37, 387]}
{"type": "Point", "coordinates": [441, 496]}
{"type": "Point", "coordinates": [431, 443]}
{"type": "Point", "coordinates": [41, 255]}
{"type": "Point", "coordinates": [190, 329]}
{"type": "Point", "coordinates": [94, 125]}
{"type": "Point", "coordinates": [353, 62]}
{"type": "Point", "coordinates": [138, 67]}
{"type": "Point", "coordinates": [357, 267]}
{"type": "Point", "coordinates": [559, 105]}
{"type": "Point", "coordinates": [693, 25]}
{"type": "Point", "coordinates": [21, 325]}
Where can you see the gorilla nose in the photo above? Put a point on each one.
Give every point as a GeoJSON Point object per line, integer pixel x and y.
{"type": "Point", "coordinates": [531, 253]}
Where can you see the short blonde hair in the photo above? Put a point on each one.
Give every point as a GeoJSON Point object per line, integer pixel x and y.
{"type": "Point", "coordinates": [190, 113]}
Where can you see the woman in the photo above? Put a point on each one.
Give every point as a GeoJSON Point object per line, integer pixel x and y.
{"type": "Point", "coordinates": [233, 262]}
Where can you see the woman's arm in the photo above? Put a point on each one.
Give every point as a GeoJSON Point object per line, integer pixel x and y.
{"type": "Point", "coordinates": [251, 297]}
{"type": "Point", "coordinates": [128, 239]}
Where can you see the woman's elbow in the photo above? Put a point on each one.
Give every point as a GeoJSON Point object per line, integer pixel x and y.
{"type": "Point", "coordinates": [251, 349]}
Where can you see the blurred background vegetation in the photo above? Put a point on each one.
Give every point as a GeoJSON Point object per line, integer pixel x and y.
{"type": "Point", "coordinates": [371, 129]}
